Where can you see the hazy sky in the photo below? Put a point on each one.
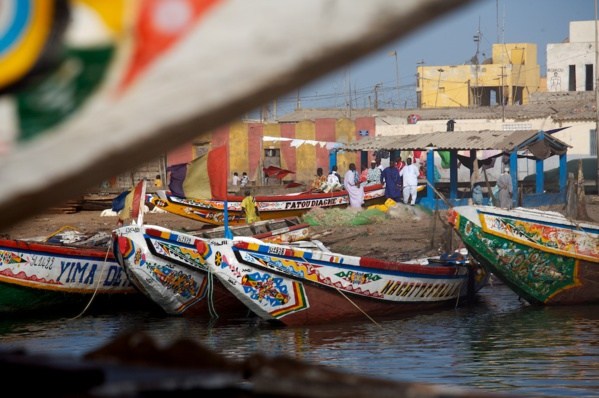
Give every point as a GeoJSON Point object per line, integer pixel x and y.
{"type": "Point", "coordinates": [445, 41]}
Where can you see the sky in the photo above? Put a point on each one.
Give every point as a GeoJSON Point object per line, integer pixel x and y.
{"type": "Point", "coordinates": [448, 40]}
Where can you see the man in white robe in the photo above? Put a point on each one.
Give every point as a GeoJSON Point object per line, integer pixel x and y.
{"type": "Point", "coordinates": [352, 183]}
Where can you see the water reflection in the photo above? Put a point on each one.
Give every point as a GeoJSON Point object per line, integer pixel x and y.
{"type": "Point", "coordinates": [499, 344]}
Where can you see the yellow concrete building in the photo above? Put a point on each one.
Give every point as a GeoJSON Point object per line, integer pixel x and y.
{"type": "Point", "coordinates": [512, 74]}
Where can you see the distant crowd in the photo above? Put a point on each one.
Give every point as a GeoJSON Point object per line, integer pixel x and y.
{"type": "Point", "coordinates": [400, 180]}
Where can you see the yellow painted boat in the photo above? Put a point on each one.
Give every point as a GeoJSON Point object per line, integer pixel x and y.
{"type": "Point", "coordinates": [212, 211]}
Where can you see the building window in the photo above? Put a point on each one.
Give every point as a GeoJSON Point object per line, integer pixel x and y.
{"type": "Point", "coordinates": [593, 142]}
{"type": "Point", "coordinates": [572, 78]}
{"type": "Point", "coordinates": [588, 77]}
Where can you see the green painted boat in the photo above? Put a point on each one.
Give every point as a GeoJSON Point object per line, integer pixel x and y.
{"type": "Point", "coordinates": [544, 257]}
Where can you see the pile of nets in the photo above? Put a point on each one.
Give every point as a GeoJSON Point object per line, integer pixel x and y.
{"type": "Point", "coordinates": [373, 214]}
{"type": "Point", "coordinates": [341, 217]}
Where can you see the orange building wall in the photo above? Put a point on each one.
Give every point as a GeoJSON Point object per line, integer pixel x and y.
{"type": "Point", "coordinates": [288, 154]}
{"type": "Point", "coordinates": [246, 146]}
{"type": "Point", "coordinates": [254, 153]}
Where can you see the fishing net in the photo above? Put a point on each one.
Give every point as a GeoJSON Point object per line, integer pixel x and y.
{"type": "Point", "coordinates": [341, 217]}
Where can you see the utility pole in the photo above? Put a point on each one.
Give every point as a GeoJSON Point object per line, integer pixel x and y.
{"type": "Point", "coordinates": [477, 38]}
{"type": "Point", "coordinates": [394, 54]}
{"type": "Point", "coordinates": [298, 104]}
{"type": "Point", "coordinates": [376, 96]}
{"type": "Point", "coordinates": [502, 96]}
{"type": "Point", "coordinates": [440, 70]}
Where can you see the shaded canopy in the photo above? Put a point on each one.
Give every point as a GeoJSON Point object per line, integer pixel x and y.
{"type": "Point", "coordinates": [541, 144]}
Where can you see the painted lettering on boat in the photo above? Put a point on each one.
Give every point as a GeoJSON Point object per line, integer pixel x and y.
{"type": "Point", "coordinates": [304, 204]}
{"type": "Point", "coordinates": [276, 250]}
{"type": "Point", "coordinates": [85, 273]}
{"type": "Point", "coordinates": [398, 288]}
{"type": "Point", "coordinates": [184, 239]}
{"type": "Point", "coordinates": [45, 262]}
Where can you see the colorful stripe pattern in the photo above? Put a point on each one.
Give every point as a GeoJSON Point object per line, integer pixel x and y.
{"type": "Point", "coordinates": [533, 273]}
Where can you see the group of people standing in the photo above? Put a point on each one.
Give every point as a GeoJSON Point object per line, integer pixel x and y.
{"type": "Point", "coordinates": [243, 181]}
{"type": "Point", "coordinates": [400, 180]}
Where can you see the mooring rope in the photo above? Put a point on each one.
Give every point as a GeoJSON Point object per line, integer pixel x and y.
{"type": "Point", "coordinates": [210, 296]}
{"type": "Point", "coordinates": [359, 309]}
{"type": "Point", "coordinates": [97, 284]}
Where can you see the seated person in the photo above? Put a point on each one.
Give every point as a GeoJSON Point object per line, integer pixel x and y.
{"type": "Point", "coordinates": [319, 182]}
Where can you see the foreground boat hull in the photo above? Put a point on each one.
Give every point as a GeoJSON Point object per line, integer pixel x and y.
{"type": "Point", "coordinates": [541, 256]}
{"type": "Point", "coordinates": [37, 276]}
{"type": "Point", "coordinates": [270, 207]}
{"type": "Point", "coordinates": [170, 270]}
{"type": "Point", "coordinates": [300, 287]}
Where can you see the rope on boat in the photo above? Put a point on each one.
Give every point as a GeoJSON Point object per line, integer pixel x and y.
{"type": "Point", "coordinates": [210, 298]}
{"type": "Point", "coordinates": [63, 228]}
{"type": "Point", "coordinates": [359, 309]}
{"type": "Point", "coordinates": [97, 285]}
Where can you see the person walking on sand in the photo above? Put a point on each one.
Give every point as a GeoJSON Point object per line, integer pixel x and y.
{"type": "Point", "coordinates": [352, 184]}
{"type": "Point", "coordinates": [410, 175]}
{"type": "Point", "coordinates": [249, 206]}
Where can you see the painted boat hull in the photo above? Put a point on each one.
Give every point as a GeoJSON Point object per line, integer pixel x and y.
{"type": "Point", "coordinates": [270, 207]}
{"type": "Point", "coordinates": [36, 276]}
{"type": "Point", "coordinates": [285, 230]}
{"type": "Point", "coordinates": [542, 256]}
{"type": "Point", "coordinates": [301, 287]}
{"type": "Point", "coordinates": [169, 269]}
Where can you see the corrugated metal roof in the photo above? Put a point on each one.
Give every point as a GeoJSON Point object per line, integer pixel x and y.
{"type": "Point", "coordinates": [451, 140]}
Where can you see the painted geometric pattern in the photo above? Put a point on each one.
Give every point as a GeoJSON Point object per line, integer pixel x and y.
{"type": "Point", "coordinates": [355, 282]}
{"type": "Point", "coordinates": [177, 281]}
{"type": "Point", "coordinates": [567, 241]}
{"type": "Point", "coordinates": [187, 255]}
{"type": "Point", "coordinates": [278, 296]}
{"type": "Point", "coordinates": [8, 257]}
{"type": "Point", "coordinates": [261, 286]}
{"type": "Point", "coordinates": [537, 273]}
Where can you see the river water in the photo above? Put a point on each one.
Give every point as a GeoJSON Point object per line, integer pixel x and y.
{"type": "Point", "coordinates": [499, 344]}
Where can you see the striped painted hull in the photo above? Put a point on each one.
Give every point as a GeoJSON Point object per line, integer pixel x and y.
{"type": "Point", "coordinates": [301, 287]}
{"type": "Point", "coordinates": [542, 256]}
{"type": "Point", "coordinates": [170, 268]}
{"type": "Point", "coordinates": [270, 207]}
{"type": "Point", "coordinates": [35, 276]}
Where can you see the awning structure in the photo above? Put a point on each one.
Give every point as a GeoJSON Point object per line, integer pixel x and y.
{"type": "Point", "coordinates": [540, 145]}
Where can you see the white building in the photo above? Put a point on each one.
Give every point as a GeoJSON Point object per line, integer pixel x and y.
{"type": "Point", "coordinates": [571, 64]}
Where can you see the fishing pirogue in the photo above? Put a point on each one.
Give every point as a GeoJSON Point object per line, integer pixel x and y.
{"type": "Point", "coordinates": [38, 276]}
{"type": "Point", "coordinates": [172, 272]}
{"type": "Point", "coordinates": [280, 283]}
{"type": "Point", "coordinates": [541, 255]}
{"type": "Point", "coordinates": [299, 287]}
{"type": "Point", "coordinates": [212, 211]}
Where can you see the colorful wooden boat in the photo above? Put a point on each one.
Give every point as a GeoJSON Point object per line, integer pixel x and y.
{"type": "Point", "coordinates": [171, 269]}
{"type": "Point", "coordinates": [270, 207]}
{"type": "Point", "coordinates": [36, 275]}
{"type": "Point", "coordinates": [300, 287]}
{"type": "Point", "coordinates": [284, 230]}
{"type": "Point", "coordinates": [541, 255]}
